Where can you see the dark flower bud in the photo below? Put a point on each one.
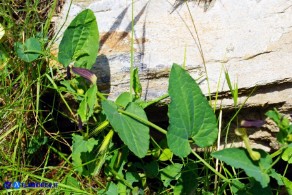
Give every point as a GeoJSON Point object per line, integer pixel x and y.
{"type": "Point", "coordinates": [85, 73]}
{"type": "Point", "coordinates": [252, 123]}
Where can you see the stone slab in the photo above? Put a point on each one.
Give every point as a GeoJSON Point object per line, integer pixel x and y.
{"type": "Point", "coordinates": [252, 39]}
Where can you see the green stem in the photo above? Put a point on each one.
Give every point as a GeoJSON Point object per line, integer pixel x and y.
{"type": "Point", "coordinates": [132, 53]}
{"type": "Point", "coordinates": [210, 167]}
{"type": "Point", "coordinates": [156, 100]}
{"type": "Point", "coordinates": [235, 115]}
{"type": "Point", "coordinates": [102, 152]}
{"type": "Point", "coordinates": [278, 152]}
{"type": "Point", "coordinates": [106, 141]}
{"type": "Point", "coordinates": [120, 177]}
{"type": "Point", "coordinates": [146, 122]}
{"type": "Point", "coordinates": [103, 125]}
{"type": "Point", "coordinates": [200, 49]}
{"type": "Point", "coordinates": [62, 97]}
{"type": "Point", "coordinates": [34, 52]}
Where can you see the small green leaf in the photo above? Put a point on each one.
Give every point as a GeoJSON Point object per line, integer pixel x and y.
{"type": "Point", "coordinates": [68, 86]}
{"type": "Point", "coordinates": [282, 122]}
{"type": "Point", "coordinates": [86, 107]}
{"type": "Point", "coordinates": [132, 177]}
{"type": "Point", "coordinates": [81, 146]}
{"type": "Point", "coordinates": [82, 110]}
{"type": "Point", "coordinates": [80, 42]}
{"type": "Point", "coordinates": [276, 176]}
{"type": "Point", "coordinates": [29, 51]}
{"type": "Point", "coordinates": [169, 173]}
{"type": "Point", "coordinates": [119, 160]}
{"type": "Point", "coordinates": [287, 154]}
{"type": "Point", "coordinates": [36, 143]}
{"type": "Point", "coordinates": [190, 114]}
{"type": "Point", "coordinates": [122, 188]}
{"type": "Point", "coordinates": [71, 181]}
{"type": "Point", "coordinates": [92, 99]}
{"type": "Point", "coordinates": [165, 155]}
{"type": "Point", "coordinates": [136, 83]}
{"type": "Point", "coordinates": [112, 188]}
{"type": "Point", "coordinates": [133, 133]}
{"type": "Point", "coordinates": [239, 158]}
{"type": "Point", "coordinates": [288, 185]}
{"type": "Point", "coordinates": [124, 99]}
{"type": "Point", "coordinates": [236, 186]}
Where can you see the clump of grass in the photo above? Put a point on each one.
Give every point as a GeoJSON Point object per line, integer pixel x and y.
{"type": "Point", "coordinates": [22, 86]}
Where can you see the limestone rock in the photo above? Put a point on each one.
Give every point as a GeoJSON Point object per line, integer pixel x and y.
{"type": "Point", "coordinates": [251, 39]}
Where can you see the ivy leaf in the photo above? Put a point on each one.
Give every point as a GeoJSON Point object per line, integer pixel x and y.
{"type": "Point", "coordinates": [80, 42]}
{"type": "Point", "coordinates": [239, 158]}
{"type": "Point", "coordinates": [133, 133]}
{"type": "Point", "coordinates": [80, 145]}
{"type": "Point", "coordinates": [190, 114]}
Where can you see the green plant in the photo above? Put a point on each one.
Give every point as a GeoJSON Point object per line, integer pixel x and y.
{"type": "Point", "coordinates": [170, 161]}
{"type": "Point", "coordinates": [191, 120]}
{"type": "Point", "coordinates": [258, 164]}
{"type": "Point", "coordinates": [114, 151]}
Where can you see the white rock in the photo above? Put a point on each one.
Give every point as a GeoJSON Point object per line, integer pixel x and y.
{"type": "Point", "coordinates": [252, 39]}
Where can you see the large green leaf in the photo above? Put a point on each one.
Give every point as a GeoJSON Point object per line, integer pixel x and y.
{"type": "Point", "coordinates": [190, 115]}
{"type": "Point", "coordinates": [80, 42]}
{"type": "Point", "coordinates": [133, 133]}
{"type": "Point", "coordinates": [239, 158]}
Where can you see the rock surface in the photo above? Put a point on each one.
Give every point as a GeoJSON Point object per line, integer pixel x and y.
{"type": "Point", "coordinates": [252, 39]}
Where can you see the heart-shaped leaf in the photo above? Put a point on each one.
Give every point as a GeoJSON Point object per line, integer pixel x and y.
{"type": "Point", "coordinates": [190, 114]}
{"type": "Point", "coordinates": [133, 133]}
{"type": "Point", "coordinates": [80, 42]}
